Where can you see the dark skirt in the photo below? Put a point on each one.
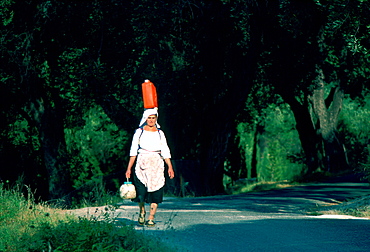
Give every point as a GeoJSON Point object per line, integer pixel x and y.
{"type": "Point", "coordinates": [142, 194]}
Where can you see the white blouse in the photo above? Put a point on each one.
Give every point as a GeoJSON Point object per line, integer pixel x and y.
{"type": "Point", "coordinates": [143, 141]}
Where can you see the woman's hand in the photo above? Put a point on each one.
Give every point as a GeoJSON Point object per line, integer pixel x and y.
{"type": "Point", "coordinates": [129, 166]}
{"type": "Point", "coordinates": [171, 173]}
{"type": "Point", "coordinates": [128, 174]}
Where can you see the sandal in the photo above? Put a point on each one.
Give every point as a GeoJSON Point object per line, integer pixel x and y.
{"type": "Point", "coordinates": [150, 223]}
{"type": "Point", "coordinates": [141, 219]}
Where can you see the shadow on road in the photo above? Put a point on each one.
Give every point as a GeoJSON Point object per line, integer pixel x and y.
{"type": "Point", "coordinates": [274, 220]}
{"type": "Point", "coordinates": [289, 200]}
{"type": "Point", "coordinates": [272, 235]}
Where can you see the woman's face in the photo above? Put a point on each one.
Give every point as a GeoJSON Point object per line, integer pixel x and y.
{"type": "Point", "coordinates": [152, 120]}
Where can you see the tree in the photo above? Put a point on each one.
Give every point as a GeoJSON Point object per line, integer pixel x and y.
{"type": "Point", "coordinates": [24, 63]}
{"type": "Point", "coordinates": [301, 47]}
{"type": "Point", "coordinates": [344, 60]}
{"type": "Point", "coordinates": [216, 90]}
{"type": "Point", "coordinates": [64, 60]}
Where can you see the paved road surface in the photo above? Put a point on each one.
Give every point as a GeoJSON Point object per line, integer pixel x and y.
{"type": "Point", "coordinates": [264, 221]}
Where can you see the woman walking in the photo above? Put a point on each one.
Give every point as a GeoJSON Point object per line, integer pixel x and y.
{"type": "Point", "coordinates": [149, 148]}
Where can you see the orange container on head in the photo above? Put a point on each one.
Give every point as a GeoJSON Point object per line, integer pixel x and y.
{"type": "Point", "coordinates": [149, 95]}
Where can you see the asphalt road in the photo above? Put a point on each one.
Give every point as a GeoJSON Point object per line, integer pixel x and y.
{"type": "Point", "coordinates": [264, 221]}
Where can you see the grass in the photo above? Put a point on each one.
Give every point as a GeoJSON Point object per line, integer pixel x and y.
{"type": "Point", "coordinates": [244, 186]}
{"type": "Point", "coordinates": [27, 226]}
{"type": "Point", "coordinates": [97, 197]}
{"type": "Point", "coordinates": [358, 207]}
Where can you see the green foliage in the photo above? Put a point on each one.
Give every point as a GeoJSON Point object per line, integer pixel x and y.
{"type": "Point", "coordinates": [89, 235]}
{"type": "Point", "coordinates": [278, 145]}
{"type": "Point", "coordinates": [6, 13]}
{"type": "Point", "coordinates": [19, 133]}
{"type": "Point", "coordinates": [75, 67]}
{"type": "Point", "coordinates": [350, 51]}
{"type": "Point", "coordinates": [27, 226]}
{"type": "Point", "coordinates": [364, 168]}
{"type": "Point", "coordinates": [95, 147]}
{"type": "Point", "coordinates": [95, 193]}
{"type": "Point", "coordinates": [355, 129]}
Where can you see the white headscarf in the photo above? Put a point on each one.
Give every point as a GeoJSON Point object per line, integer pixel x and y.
{"type": "Point", "coordinates": [148, 113]}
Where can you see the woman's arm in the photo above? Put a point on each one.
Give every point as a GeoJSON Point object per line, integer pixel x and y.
{"type": "Point", "coordinates": [135, 142]}
{"type": "Point", "coordinates": [171, 173]}
{"type": "Point", "coordinates": [166, 154]}
{"type": "Point", "coordinates": [129, 166]}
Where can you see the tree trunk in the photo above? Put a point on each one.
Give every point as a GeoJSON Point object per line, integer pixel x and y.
{"type": "Point", "coordinates": [311, 142]}
{"type": "Point", "coordinates": [259, 129]}
{"type": "Point", "coordinates": [50, 125]}
{"type": "Point", "coordinates": [237, 167]}
{"type": "Point", "coordinates": [334, 152]}
{"type": "Point", "coordinates": [214, 153]}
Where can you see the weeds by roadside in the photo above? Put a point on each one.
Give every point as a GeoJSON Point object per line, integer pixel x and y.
{"type": "Point", "coordinates": [358, 207]}
{"type": "Point", "coordinates": [243, 186]}
{"type": "Point", "coordinates": [27, 226]}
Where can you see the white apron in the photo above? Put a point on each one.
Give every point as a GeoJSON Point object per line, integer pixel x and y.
{"type": "Point", "coordinates": [150, 170]}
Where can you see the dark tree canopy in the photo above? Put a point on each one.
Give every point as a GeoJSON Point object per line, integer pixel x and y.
{"type": "Point", "coordinates": [71, 74]}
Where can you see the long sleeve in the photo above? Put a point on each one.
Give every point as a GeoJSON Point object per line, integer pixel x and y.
{"type": "Point", "coordinates": [135, 143]}
{"type": "Point", "coordinates": [165, 150]}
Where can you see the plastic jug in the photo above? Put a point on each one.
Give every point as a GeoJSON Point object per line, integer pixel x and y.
{"type": "Point", "coordinates": [149, 95]}
{"type": "Point", "coordinates": [127, 190]}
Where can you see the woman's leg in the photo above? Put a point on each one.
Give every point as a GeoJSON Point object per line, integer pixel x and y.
{"type": "Point", "coordinates": [141, 192]}
{"type": "Point", "coordinates": [141, 219]}
{"type": "Point", "coordinates": [153, 210]}
{"type": "Point", "coordinates": [142, 208]}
